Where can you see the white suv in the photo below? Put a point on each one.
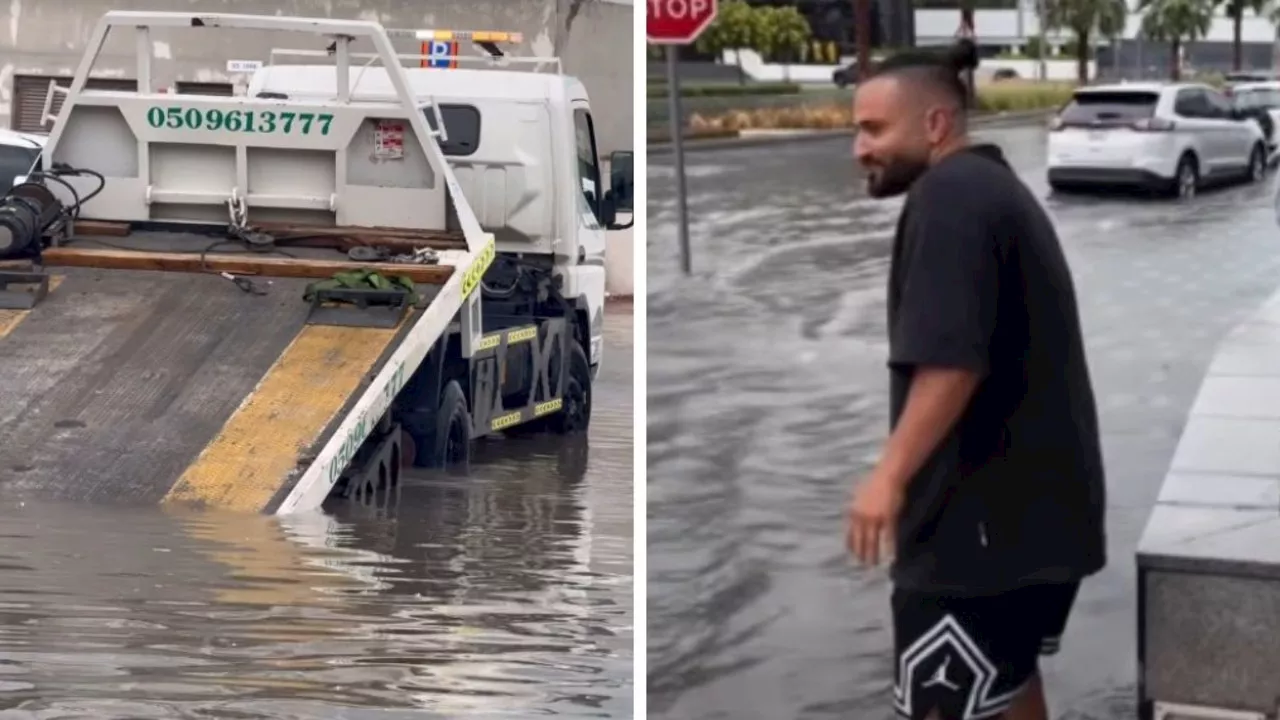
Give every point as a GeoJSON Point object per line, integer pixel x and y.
{"type": "Point", "coordinates": [1175, 137]}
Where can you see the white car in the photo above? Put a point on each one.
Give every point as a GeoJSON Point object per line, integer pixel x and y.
{"type": "Point", "coordinates": [18, 153]}
{"type": "Point", "coordinates": [1174, 137]}
{"type": "Point", "coordinates": [1260, 97]}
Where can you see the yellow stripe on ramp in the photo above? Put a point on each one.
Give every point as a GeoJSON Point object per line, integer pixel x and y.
{"type": "Point", "coordinates": [10, 319]}
{"type": "Point", "coordinates": [253, 454]}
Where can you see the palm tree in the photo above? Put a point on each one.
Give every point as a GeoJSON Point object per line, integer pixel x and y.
{"type": "Point", "coordinates": [1085, 18]}
{"type": "Point", "coordinates": [1235, 10]}
{"type": "Point", "coordinates": [1175, 21]}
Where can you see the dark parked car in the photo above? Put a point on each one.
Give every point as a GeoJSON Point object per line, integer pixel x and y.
{"type": "Point", "coordinates": [845, 76]}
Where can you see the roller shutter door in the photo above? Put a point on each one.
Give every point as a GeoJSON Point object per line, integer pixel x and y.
{"type": "Point", "coordinates": [29, 92]}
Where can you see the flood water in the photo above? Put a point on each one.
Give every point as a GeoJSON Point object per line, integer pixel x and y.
{"type": "Point", "coordinates": [767, 401]}
{"type": "Point", "coordinates": [505, 592]}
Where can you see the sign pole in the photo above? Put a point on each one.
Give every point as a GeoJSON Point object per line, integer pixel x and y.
{"type": "Point", "coordinates": [677, 145]}
{"type": "Point", "coordinates": [676, 23]}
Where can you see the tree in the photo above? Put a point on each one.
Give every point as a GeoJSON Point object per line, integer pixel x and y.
{"type": "Point", "coordinates": [737, 26]}
{"type": "Point", "coordinates": [1235, 10]}
{"type": "Point", "coordinates": [1086, 19]}
{"type": "Point", "coordinates": [1176, 21]}
{"type": "Point", "coordinates": [784, 34]}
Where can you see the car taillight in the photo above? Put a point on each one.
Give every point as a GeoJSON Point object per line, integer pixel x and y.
{"type": "Point", "coordinates": [1154, 125]}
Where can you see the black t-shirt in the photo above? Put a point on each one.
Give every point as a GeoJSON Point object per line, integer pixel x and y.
{"type": "Point", "coordinates": [1015, 494]}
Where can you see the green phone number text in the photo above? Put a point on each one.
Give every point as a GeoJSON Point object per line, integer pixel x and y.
{"type": "Point", "coordinates": [245, 121]}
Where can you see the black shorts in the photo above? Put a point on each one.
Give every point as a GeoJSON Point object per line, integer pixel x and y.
{"type": "Point", "coordinates": [968, 658]}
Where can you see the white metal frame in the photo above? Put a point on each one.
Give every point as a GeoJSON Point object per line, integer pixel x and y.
{"type": "Point", "coordinates": [314, 484]}
{"type": "Point", "coordinates": [504, 62]}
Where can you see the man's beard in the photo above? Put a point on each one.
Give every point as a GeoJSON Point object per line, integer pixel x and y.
{"type": "Point", "coordinates": [895, 178]}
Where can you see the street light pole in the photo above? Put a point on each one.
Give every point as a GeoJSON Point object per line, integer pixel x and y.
{"type": "Point", "coordinates": [862, 30]}
{"type": "Point", "coordinates": [1041, 11]}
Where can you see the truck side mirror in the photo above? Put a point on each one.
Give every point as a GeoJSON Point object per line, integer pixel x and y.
{"type": "Point", "coordinates": [622, 183]}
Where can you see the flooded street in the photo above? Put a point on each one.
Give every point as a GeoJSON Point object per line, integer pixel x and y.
{"type": "Point", "coordinates": [503, 593]}
{"type": "Point", "coordinates": [768, 399]}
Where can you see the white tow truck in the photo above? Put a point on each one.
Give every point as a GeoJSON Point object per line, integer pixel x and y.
{"type": "Point", "coordinates": [250, 302]}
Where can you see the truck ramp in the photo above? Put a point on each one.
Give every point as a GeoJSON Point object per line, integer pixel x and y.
{"type": "Point", "coordinates": [144, 386]}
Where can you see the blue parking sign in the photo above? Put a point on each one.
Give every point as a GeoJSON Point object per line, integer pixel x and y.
{"type": "Point", "coordinates": [441, 53]}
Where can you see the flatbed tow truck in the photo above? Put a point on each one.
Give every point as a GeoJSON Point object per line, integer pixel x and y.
{"type": "Point", "coordinates": [254, 302]}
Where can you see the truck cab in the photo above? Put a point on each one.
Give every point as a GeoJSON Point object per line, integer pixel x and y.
{"type": "Point", "coordinates": [514, 138]}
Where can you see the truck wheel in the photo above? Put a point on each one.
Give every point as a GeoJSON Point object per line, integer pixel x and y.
{"type": "Point", "coordinates": [575, 414]}
{"type": "Point", "coordinates": [450, 444]}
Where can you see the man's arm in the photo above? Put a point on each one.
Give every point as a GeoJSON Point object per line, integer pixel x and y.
{"type": "Point", "coordinates": [945, 319]}
{"type": "Point", "coordinates": [937, 399]}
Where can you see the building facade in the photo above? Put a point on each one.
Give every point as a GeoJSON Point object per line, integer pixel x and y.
{"type": "Point", "coordinates": [42, 40]}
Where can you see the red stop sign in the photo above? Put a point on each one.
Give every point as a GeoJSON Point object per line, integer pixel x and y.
{"type": "Point", "coordinates": [678, 22]}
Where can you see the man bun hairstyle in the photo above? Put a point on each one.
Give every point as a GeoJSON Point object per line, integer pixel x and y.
{"type": "Point", "coordinates": [940, 69]}
{"type": "Point", "coordinates": [962, 56]}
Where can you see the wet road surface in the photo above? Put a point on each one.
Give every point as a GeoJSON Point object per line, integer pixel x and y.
{"type": "Point", "coordinates": [503, 593]}
{"type": "Point", "coordinates": [768, 398]}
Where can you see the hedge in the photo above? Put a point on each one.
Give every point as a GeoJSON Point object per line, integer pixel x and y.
{"type": "Point", "coordinates": [659, 90]}
{"type": "Point", "coordinates": [1008, 96]}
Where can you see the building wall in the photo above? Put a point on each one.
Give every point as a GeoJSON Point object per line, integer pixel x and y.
{"type": "Point", "coordinates": [1002, 27]}
{"type": "Point", "coordinates": [45, 37]}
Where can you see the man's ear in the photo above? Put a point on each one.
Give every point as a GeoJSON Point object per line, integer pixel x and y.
{"type": "Point", "coordinates": [938, 124]}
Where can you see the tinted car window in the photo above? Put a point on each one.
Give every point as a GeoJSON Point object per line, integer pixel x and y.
{"type": "Point", "coordinates": [1109, 108]}
{"type": "Point", "coordinates": [1192, 104]}
{"type": "Point", "coordinates": [15, 161]}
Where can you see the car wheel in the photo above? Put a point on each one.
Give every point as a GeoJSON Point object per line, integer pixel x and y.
{"type": "Point", "coordinates": [1257, 164]}
{"type": "Point", "coordinates": [1187, 179]}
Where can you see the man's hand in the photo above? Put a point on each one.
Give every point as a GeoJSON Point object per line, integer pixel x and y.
{"type": "Point", "coordinates": [872, 517]}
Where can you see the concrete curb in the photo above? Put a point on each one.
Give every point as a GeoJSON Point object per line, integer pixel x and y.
{"type": "Point", "coordinates": [980, 121]}
{"type": "Point", "coordinates": [1209, 547]}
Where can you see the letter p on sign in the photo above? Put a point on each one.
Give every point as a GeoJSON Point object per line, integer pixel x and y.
{"type": "Point", "coordinates": [678, 22]}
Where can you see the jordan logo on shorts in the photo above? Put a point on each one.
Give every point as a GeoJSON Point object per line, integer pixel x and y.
{"type": "Point", "coordinates": [939, 678]}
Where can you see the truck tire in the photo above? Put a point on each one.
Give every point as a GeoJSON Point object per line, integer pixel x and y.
{"type": "Point", "coordinates": [450, 443]}
{"type": "Point", "coordinates": [575, 414]}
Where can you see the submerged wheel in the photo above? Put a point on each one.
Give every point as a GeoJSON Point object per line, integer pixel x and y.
{"type": "Point", "coordinates": [450, 442]}
{"type": "Point", "coordinates": [1187, 180]}
{"type": "Point", "coordinates": [1257, 164]}
{"type": "Point", "coordinates": [575, 413]}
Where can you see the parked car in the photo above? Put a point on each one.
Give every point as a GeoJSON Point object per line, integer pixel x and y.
{"type": "Point", "coordinates": [18, 153]}
{"type": "Point", "coordinates": [845, 76]}
{"type": "Point", "coordinates": [1249, 76]}
{"type": "Point", "coordinates": [1260, 101]}
{"type": "Point", "coordinates": [1174, 137]}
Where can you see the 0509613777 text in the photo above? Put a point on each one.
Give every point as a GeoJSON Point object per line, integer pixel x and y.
{"type": "Point", "coordinates": [241, 121]}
